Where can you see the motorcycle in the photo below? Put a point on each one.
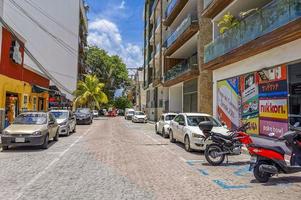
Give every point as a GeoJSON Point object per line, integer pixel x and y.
{"type": "Point", "coordinates": [224, 145]}
{"type": "Point", "coordinates": [267, 161]}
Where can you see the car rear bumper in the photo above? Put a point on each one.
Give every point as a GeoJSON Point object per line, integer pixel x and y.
{"type": "Point", "coordinates": [142, 120]}
{"type": "Point", "coordinates": [10, 140]}
{"type": "Point", "coordinates": [83, 121]}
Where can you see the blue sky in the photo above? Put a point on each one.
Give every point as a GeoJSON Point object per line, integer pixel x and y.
{"type": "Point", "coordinates": [117, 27]}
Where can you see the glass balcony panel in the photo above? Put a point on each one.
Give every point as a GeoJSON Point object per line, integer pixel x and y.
{"type": "Point", "coordinates": [272, 16]}
{"type": "Point", "coordinates": [206, 3]}
{"type": "Point", "coordinates": [170, 7]}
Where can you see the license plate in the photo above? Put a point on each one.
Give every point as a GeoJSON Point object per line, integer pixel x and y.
{"type": "Point", "coordinates": [20, 140]}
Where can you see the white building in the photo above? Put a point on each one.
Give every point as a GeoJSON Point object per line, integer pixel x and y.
{"type": "Point", "coordinates": [55, 33]}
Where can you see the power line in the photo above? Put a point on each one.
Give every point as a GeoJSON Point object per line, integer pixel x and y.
{"type": "Point", "coordinates": [39, 65]}
{"type": "Point", "coordinates": [58, 40]}
{"type": "Point", "coordinates": [43, 12]}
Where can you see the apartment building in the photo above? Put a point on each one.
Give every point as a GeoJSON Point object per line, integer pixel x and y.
{"type": "Point", "coordinates": [55, 33]}
{"type": "Point", "coordinates": [256, 63]}
{"type": "Point", "coordinates": [140, 94]}
{"type": "Point", "coordinates": [175, 37]}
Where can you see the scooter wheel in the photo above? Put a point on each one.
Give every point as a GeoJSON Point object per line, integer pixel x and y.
{"type": "Point", "coordinates": [261, 177]}
{"type": "Point", "coordinates": [211, 157]}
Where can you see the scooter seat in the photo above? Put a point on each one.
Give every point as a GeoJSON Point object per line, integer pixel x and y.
{"type": "Point", "coordinates": [278, 149]}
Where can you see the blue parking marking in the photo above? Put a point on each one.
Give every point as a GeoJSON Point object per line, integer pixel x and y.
{"type": "Point", "coordinates": [242, 171]}
{"type": "Point", "coordinates": [224, 185]}
{"type": "Point", "coordinates": [192, 162]}
{"type": "Point", "coordinates": [203, 172]}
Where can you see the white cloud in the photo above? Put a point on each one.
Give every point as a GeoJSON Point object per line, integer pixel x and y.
{"type": "Point", "coordinates": [106, 35]}
{"type": "Point", "coordinates": [122, 5]}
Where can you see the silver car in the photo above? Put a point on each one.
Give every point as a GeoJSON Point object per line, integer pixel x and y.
{"type": "Point", "coordinates": [66, 120]}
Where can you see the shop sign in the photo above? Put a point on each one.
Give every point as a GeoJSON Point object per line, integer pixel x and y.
{"type": "Point", "coordinates": [273, 89]}
{"type": "Point", "coordinates": [228, 101]}
{"type": "Point", "coordinates": [15, 53]}
{"type": "Point", "coordinates": [272, 126]}
{"type": "Point", "coordinates": [250, 107]}
{"type": "Point", "coordinates": [254, 125]}
{"type": "Point", "coordinates": [273, 108]}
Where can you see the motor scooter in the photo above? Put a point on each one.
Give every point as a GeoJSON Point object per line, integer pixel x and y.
{"type": "Point", "coordinates": [267, 161]}
{"type": "Point", "coordinates": [224, 145]}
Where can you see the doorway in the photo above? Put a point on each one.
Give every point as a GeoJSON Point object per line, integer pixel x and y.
{"type": "Point", "coordinates": [11, 106]}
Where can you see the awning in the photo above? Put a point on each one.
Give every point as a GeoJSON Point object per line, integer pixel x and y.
{"type": "Point", "coordinates": [39, 89]}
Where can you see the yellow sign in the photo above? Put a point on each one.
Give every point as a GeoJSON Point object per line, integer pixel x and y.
{"type": "Point", "coordinates": [273, 108]}
{"type": "Point", "coordinates": [254, 125]}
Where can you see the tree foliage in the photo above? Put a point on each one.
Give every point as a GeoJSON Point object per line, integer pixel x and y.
{"type": "Point", "coordinates": [122, 103]}
{"type": "Point", "coordinates": [110, 70]}
{"type": "Point", "coordinates": [90, 93]}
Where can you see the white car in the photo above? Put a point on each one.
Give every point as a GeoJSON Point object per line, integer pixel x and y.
{"type": "Point", "coordinates": [162, 126]}
{"type": "Point", "coordinates": [129, 113]}
{"type": "Point", "coordinates": [139, 117]}
{"type": "Point", "coordinates": [95, 113]}
{"type": "Point", "coordinates": [184, 128]}
{"type": "Point", "coordinates": [66, 120]}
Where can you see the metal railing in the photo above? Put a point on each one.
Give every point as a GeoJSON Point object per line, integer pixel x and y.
{"type": "Point", "coordinates": [181, 68]}
{"type": "Point", "coordinates": [272, 16]}
{"type": "Point", "coordinates": [158, 22]}
{"type": "Point", "coordinates": [186, 23]}
{"type": "Point", "coordinates": [158, 48]}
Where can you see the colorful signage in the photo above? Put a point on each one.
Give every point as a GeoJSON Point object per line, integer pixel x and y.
{"type": "Point", "coordinates": [272, 126]}
{"type": "Point", "coordinates": [273, 89]}
{"type": "Point", "coordinates": [228, 101]}
{"type": "Point", "coordinates": [254, 125]}
{"type": "Point", "coordinates": [273, 108]}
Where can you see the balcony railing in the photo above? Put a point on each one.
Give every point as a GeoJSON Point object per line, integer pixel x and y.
{"type": "Point", "coordinates": [170, 7]}
{"type": "Point", "coordinates": [158, 48]}
{"type": "Point", "coordinates": [272, 16]}
{"type": "Point", "coordinates": [158, 22]}
{"type": "Point", "coordinates": [206, 3]}
{"type": "Point", "coordinates": [186, 23]}
{"type": "Point", "coordinates": [181, 68]}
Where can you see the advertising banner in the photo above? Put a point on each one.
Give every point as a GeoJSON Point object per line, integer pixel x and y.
{"type": "Point", "coordinates": [272, 126]}
{"type": "Point", "coordinates": [273, 89]}
{"type": "Point", "coordinates": [273, 108]}
{"type": "Point", "coordinates": [228, 101]}
{"type": "Point", "coordinates": [254, 125]}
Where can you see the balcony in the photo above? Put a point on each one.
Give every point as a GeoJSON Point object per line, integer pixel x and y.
{"type": "Point", "coordinates": [206, 3]}
{"type": "Point", "coordinates": [181, 35]}
{"type": "Point", "coordinates": [185, 70]}
{"type": "Point", "coordinates": [157, 25]}
{"type": "Point", "coordinates": [172, 10]}
{"type": "Point", "coordinates": [275, 24]}
{"type": "Point", "coordinates": [158, 48]}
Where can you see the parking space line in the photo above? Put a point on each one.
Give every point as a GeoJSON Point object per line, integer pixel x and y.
{"type": "Point", "coordinates": [224, 185]}
{"type": "Point", "coordinates": [35, 178]}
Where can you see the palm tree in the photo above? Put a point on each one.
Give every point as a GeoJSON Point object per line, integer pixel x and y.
{"type": "Point", "coordinates": [90, 93]}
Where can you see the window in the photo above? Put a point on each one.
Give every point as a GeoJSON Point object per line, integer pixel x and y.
{"type": "Point", "coordinates": [25, 100]}
{"type": "Point", "coordinates": [169, 117]}
{"type": "Point", "coordinates": [51, 118]}
{"type": "Point", "coordinates": [181, 119]}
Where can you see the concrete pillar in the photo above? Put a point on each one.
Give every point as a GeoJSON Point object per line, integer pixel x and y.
{"type": "Point", "coordinates": [205, 97]}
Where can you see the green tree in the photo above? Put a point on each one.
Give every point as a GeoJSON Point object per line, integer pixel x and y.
{"type": "Point", "coordinates": [110, 70]}
{"type": "Point", "coordinates": [122, 103]}
{"type": "Point", "coordinates": [90, 93]}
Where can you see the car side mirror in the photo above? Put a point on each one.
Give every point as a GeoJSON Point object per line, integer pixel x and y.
{"type": "Point", "coordinates": [51, 122]}
{"type": "Point", "coordinates": [182, 123]}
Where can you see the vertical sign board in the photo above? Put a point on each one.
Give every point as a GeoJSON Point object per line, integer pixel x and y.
{"type": "Point", "coordinates": [249, 96]}
{"type": "Point", "coordinates": [273, 102]}
{"type": "Point", "coordinates": [228, 102]}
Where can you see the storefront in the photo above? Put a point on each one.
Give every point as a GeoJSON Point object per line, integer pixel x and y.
{"type": "Point", "coordinates": [190, 96]}
{"type": "Point", "coordinates": [269, 99]}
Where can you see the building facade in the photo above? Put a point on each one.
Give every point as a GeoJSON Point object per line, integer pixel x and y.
{"type": "Point", "coordinates": [175, 35]}
{"type": "Point", "coordinates": [256, 63]}
{"type": "Point", "coordinates": [140, 94]}
{"type": "Point", "coordinates": [55, 32]}
{"type": "Point", "coordinates": [21, 89]}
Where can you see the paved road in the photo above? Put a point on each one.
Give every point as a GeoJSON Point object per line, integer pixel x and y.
{"type": "Point", "coordinates": [116, 159]}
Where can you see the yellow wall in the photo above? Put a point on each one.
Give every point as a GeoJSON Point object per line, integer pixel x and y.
{"type": "Point", "coordinates": [22, 89]}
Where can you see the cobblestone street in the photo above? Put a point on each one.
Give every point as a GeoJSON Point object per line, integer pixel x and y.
{"type": "Point", "coordinates": [116, 159]}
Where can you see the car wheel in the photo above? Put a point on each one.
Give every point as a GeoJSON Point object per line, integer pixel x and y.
{"type": "Point", "coordinates": [187, 144]}
{"type": "Point", "coordinates": [171, 139]}
{"type": "Point", "coordinates": [74, 130]}
{"type": "Point", "coordinates": [4, 148]}
{"type": "Point", "coordinates": [56, 137]}
{"type": "Point", "coordinates": [68, 131]}
{"type": "Point", "coordinates": [156, 129]}
{"type": "Point", "coordinates": [46, 140]}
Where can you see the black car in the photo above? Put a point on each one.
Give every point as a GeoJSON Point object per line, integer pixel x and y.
{"type": "Point", "coordinates": [83, 116]}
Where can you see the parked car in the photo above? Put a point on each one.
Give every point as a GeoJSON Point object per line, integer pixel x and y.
{"type": "Point", "coordinates": [162, 126]}
{"type": "Point", "coordinates": [184, 128]}
{"type": "Point", "coordinates": [83, 116]}
{"type": "Point", "coordinates": [95, 113]}
{"type": "Point", "coordinates": [31, 129]}
{"type": "Point", "coordinates": [139, 117]}
{"type": "Point", "coordinates": [129, 113]}
{"type": "Point", "coordinates": [66, 120]}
